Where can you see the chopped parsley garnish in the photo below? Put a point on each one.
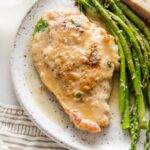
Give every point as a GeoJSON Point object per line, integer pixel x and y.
{"type": "Point", "coordinates": [79, 94]}
{"type": "Point", "coordinates": [40, 26]}
{"type": "Point", "coordinates": [109, 63]}
{"type": "Point", "coordinates": [77, 24]}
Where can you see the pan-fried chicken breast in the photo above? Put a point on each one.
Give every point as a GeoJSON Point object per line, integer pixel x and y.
{"type": "Point", "coordinates": [76, 61]}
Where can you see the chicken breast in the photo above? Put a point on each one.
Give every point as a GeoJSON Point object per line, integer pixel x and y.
{"type": "Point", "coordinates": [76, 61]}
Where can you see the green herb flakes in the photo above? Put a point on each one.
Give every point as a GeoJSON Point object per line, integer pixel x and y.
{"type": "Point", "coordinates": [77, 24]}
{"type": "Point", "coordinates": [79, 94]}
{"type": "Point", "coordinates": [109, 63]}
{"type": "Point", "coordinates": [40, 26]}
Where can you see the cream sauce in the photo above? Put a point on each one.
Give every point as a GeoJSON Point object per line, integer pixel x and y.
{"type": "Point", "coordinates": [71, 59]}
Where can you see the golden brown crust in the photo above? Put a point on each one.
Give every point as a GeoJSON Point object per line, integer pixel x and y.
{"type": "Point", "coordinates": [86, 125]}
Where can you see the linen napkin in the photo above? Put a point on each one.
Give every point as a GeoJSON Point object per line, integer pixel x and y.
{"type": "Point", "coordinates": [17, 132]}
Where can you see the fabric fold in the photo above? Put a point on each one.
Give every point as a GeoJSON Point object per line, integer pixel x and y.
{"type": "Point", "coordinates": [17, 132]}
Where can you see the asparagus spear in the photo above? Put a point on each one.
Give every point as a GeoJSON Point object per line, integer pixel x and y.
{"type": "Point", "coordinates": [134, 122]}
{"type": "Point", "coordinates": [135, 19]}
{"type": "Point", "coordinates": [139, 36]}
{"type": "Point", "coordinates": [144, 64]}
{"type": "Point", "coordinates": [126, 112]}
{"type": "Point", "coordinates": [123, 96]}
{"type": "Point", "coordinates": [134, 127]}
{"type": "Point", "coordinates": [145, 67]}
{"type": "Point", "coordinates": [124, 90]}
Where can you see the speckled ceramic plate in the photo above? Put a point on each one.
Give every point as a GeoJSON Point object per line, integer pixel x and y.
{"type": "Point", "coordinates": [42, 106]}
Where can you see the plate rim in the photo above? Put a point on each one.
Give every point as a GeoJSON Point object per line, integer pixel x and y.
{"type": "Point", "coordinates": [19, 96]}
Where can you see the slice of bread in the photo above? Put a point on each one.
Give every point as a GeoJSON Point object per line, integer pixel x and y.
{"type": "Point", "coordinates": [142, 7]}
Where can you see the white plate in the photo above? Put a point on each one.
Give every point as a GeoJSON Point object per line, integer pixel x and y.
{"type": "Point", "coordinates": [42, 106]}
